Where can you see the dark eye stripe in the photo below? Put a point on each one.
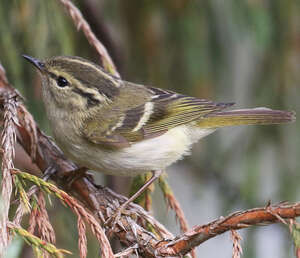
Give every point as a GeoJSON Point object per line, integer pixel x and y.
{"type": "Point", "coordinates": [91, 100]}
{"type": "Point", "coordinates": [104, 87]}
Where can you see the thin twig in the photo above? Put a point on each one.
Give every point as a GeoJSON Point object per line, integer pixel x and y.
{"type": "Point", "coordinates": [78, 209]}
{"type": "Point", "coordinates": [45, 229]}
{"type": "Point", "coordinates": [82, 240]}
{"type": "Point", "coordinates": [37, 242]}
{"type": "Point", "coordinates": [295, 233]}
{"type": "Point", "coordinates": [237, 250]}
{"type": "Point", "coordinates": [8, 139]}
{"type": "Point", "coordinates": [81, 23]}
{"type": "Point", "coordinates": [20, 212]}
{"type": "Point", "coordinates": [127, 252]}
{"type": "Point", "coordinates": [173, 203]}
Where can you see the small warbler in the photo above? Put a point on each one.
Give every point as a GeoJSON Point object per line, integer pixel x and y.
{"type": "Point", "coordinates": [121, 128]}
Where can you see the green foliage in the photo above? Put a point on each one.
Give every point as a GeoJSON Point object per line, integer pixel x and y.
{"type": "Point", "coordinates": [296, 235]}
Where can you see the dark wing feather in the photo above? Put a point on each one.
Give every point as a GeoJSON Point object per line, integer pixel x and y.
{"type": "Point", "coordinates": [103, 132]}
{"type": "Point", "coordinates": [171, 110]}
{"type": "Point", "coordinates": [147, 118]}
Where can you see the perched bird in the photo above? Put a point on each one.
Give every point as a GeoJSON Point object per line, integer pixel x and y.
{"type": "Point", "coordinates": [121, 128]}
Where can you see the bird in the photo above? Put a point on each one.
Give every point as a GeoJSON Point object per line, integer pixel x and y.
{"type": "Point", "coordinates": [121, 128]}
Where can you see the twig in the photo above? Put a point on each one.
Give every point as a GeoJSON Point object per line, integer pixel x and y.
{"type": "Point", "coordinates": [39, 217]}
{"type": "Point", "coordinates": [106, 250]}
{"type": "Point", "coordinates": [295, 232]}
{"type": "Point", "coordinates": [45, 228]}
{"type": "Point", "coordinates": [8, 139]}
{"type": "Point", "coordinates": [173, 203]}
{"type": "Point", "coordinates": [82, 240]}
{"type": "Point", "coordinates": [237, 220]}
{"type": "Point", "coordinates": [36, 242]}
{"type": "Point", "coordinates": [78, 209]}
{"type": "Point", "coordinates": [32, 220]}
{"type": "Point", "coordinates": [237, 248]}
{"type": "Point", "coordinates": [127, 251]}
{"type": "Point", "coordinates": [21, 210]}
{"type": "Point", "coordinates": [81, 23]}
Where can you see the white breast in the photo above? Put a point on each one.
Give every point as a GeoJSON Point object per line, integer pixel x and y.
{"type": "Point", "coordinates": [152, 154]}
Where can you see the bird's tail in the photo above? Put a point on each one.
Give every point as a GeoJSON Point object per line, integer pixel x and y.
{"type": "Point", "coordinates": [251, 116]}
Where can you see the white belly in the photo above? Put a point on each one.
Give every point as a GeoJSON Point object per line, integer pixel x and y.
{"type": "Point", "coordinates": [152, 154]}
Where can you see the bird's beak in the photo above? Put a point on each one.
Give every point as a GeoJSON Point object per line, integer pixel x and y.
{"type": "Point", "coordinates": [37, 63]}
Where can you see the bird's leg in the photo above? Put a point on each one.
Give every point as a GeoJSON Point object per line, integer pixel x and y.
{"type": "Point", "coordinates": [155, 174]}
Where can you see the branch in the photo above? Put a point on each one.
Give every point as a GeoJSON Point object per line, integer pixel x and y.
{"type": "Point", "coordinates": [238, 220]}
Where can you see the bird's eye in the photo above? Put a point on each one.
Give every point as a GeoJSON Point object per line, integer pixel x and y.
{"type": "Point", "coordinates": [62, 82]}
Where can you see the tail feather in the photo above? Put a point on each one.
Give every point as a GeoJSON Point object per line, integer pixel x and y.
{"type": "Point", "coordinates": [251, 116]}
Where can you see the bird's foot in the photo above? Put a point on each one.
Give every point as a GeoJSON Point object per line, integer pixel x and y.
{"type": "Point", "coordinates": [74, 175]}
{"type": "Point", "coordinates": [115, 218]}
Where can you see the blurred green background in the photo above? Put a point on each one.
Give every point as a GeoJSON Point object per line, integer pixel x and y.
{"type": "Point", "coordinates": [245, 51]}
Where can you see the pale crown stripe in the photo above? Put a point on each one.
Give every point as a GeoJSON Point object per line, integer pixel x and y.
{"type": "Point", "coordinates": [148, 110]}
{"type": "Point", "coordinates": [104, 74]}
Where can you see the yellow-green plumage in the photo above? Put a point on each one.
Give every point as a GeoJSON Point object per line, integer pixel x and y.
{"type": "Point", "coordinates": [254, 116]}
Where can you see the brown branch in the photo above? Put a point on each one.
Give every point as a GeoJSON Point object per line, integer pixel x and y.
{"type": "Point", "coordinates": [237, 220]}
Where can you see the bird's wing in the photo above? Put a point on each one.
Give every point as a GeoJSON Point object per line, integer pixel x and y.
{"type": "Point", "coordinates": [162, 111]}
{"type": "Point", "coordinates": [171, 109]}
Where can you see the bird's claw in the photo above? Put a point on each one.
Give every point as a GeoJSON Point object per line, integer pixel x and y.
{"type": "Point", "coordinates": [114, 219]}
